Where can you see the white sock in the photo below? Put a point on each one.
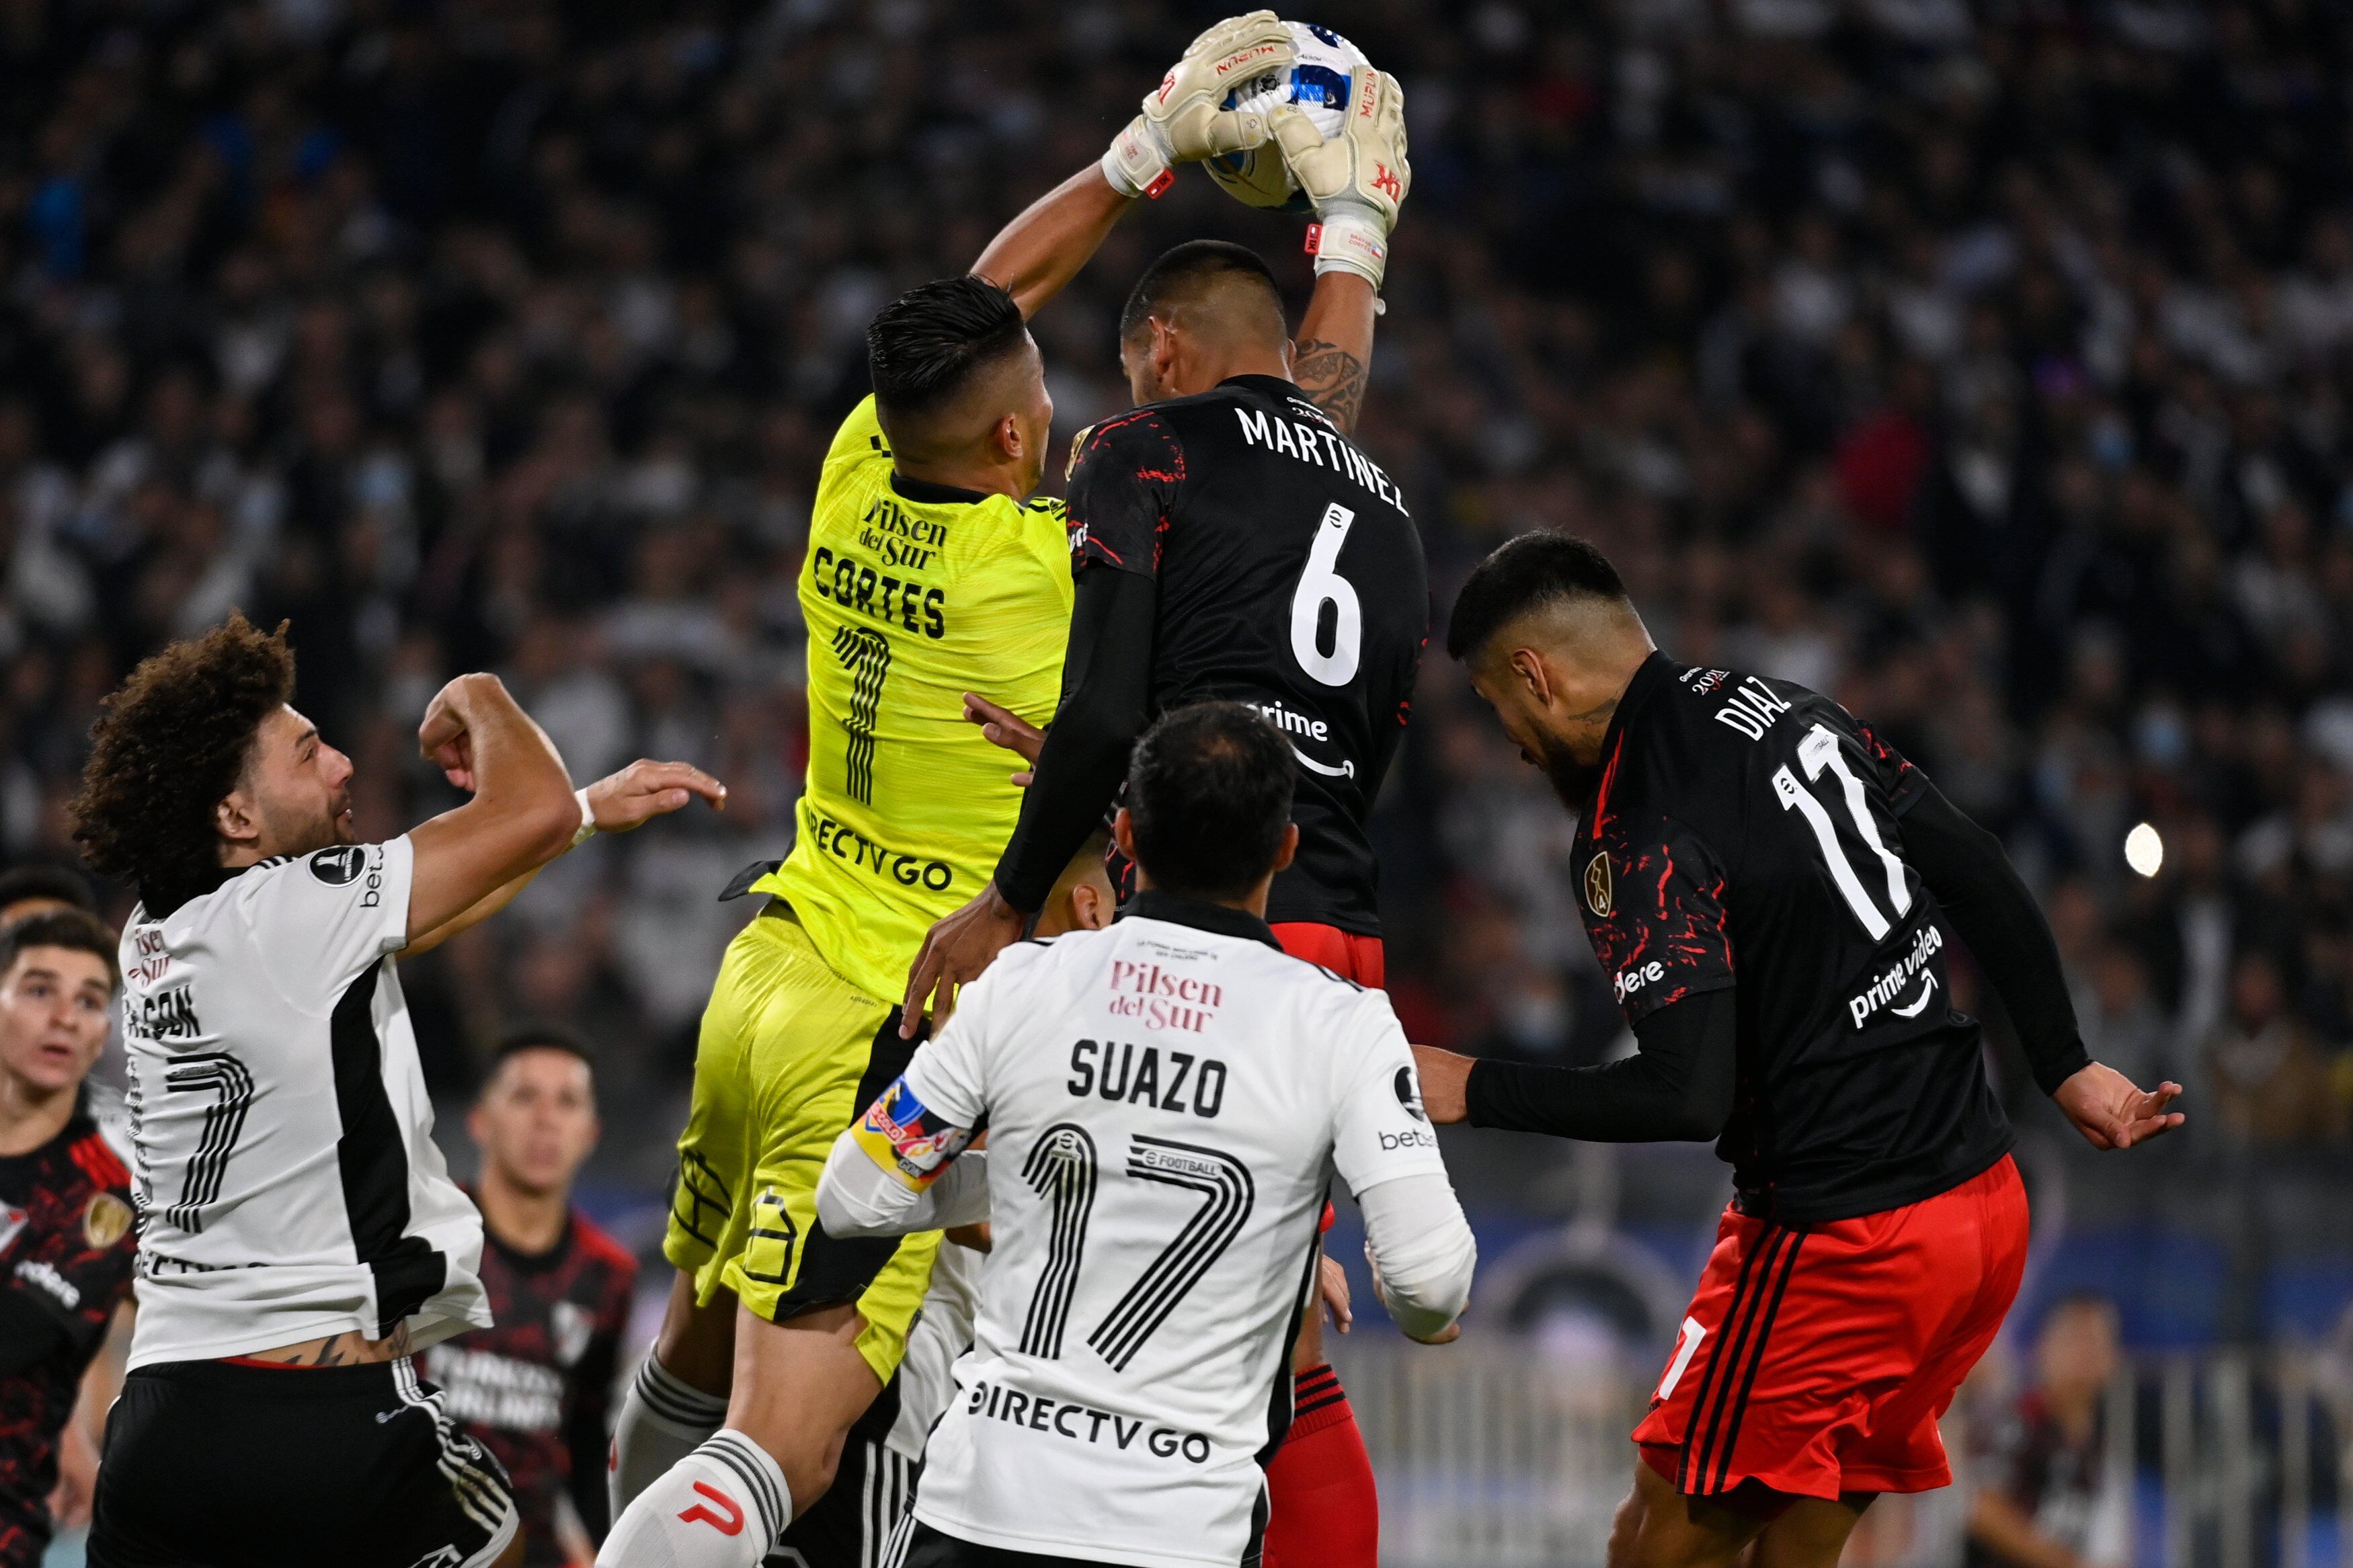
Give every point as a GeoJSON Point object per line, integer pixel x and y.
{"type": "Point", "coordinates": [722, 1506]}
{"type": "Point", "coordinates": [662, 1421]}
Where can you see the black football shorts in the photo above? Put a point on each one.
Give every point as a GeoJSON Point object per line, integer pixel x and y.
{"type": "Point", "coordinates": [927, 1548]}
{"type": "Point", "coordinates": [212, 1464]}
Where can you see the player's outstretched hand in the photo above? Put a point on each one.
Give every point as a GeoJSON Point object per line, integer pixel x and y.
{"type": "Point", "coordinates": [1356, 180]}
{"type": "Point", "coordinates": [1445, 1084]}
{"type": "Point", "coordinates": [1331, 1284]}
{"type": "Point", "coordinates": [1183, 119]}
{"type": "Point", "coordinates": [1003, 727]}
{"type": "Point", "coordinates": [954, 951]}
{"type": "Point", "coordinates": [2113, 1112]}
{"type": "Point", "coordinates": [645, 790]}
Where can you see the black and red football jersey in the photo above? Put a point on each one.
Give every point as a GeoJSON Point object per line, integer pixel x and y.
{"type": "Point", "coordinates": [67, 1242]}
{"type": "Point", "coordinates": [1290, 577]}
{"type": "Point", "coordinates": [536, 1385]}
{"type": "Point", "coordinates": [1746, 832]}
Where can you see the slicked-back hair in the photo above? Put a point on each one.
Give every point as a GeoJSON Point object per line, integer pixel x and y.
{"type": "Point", "coordinates": [1533, 570]}
{"type": "Point", "coordinates": [167, 747]}
{"type": "Point", "coordinates": [924, 347]}
{"type": "Point", "coordinates": [75, 929]}
{"type": "Point", "coordinates": [1209, 794]}
{"type": "Point", "coordinates": [1183, 272]}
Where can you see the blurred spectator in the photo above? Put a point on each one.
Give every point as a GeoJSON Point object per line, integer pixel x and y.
{"type": "Point", "coordinates": [2272, 1085]}
{"type": "Point", "coordinates": [2046, 1494]}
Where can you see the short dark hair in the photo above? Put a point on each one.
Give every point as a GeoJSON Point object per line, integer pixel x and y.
{"type": "Point", "coordinates": [1209, 794]}
{"type": "Point", "coordinates": [1535, 569]}
{"type": "Point", "coordinates": [61, 884]}
{"type": "Point", "coordinates": [1185, 269]}
{"type": "Point", "coordinates": [923, 346]}
{"type": "Point", "coordinates": [167, 746]}
{"type": "Point", "coordinates": [541, 1036]}
{"type": "Point", "coordinates": [75, 929]}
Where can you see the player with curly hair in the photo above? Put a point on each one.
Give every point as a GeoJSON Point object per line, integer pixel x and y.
{"type": "Point", "coordinates": [300, 1237]}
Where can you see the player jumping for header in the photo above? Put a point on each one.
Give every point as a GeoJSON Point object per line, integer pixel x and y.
{"type": "Point", "coordinates": [1231, 541]}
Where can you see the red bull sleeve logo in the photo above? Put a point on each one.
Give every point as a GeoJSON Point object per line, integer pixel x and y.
{"type": "Point", "coordinates": [901, 1136]}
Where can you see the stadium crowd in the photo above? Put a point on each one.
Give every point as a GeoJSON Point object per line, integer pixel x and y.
{"type": "Point", "coordinates": [1986, 366]}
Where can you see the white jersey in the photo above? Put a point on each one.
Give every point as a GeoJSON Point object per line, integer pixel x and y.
{"type": "Point", "coordinates": [943, 1333]}
{"type": "Point", "coordinates": [1166, 1102]}
{"type": "Point", "coordinates": [288, 1183]}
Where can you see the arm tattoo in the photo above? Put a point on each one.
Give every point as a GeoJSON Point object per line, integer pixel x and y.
{"type": "Point", "coordinates": [1333, 379]}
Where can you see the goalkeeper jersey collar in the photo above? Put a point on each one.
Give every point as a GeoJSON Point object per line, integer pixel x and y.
{"type": "Point", "coordinates": [927, 493]}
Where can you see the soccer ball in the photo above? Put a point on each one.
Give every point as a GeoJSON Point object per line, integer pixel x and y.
{"type": "Point", "coordinates": [1318, 83]}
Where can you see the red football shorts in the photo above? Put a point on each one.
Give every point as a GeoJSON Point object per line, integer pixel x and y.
{"type": "Point", "coordinates": [1326, 1510]}
{"type": "Point", "coordinates": [1344, 952]}
{"type": "Point", "coordinates": [1815, 1360]}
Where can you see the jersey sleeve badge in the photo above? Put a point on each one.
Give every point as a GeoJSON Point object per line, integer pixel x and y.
{"type": "Point", "coordinates": [1408, 1094]}
{"type": "Point", "coordinates": [1600, 889]}
{"type": "Point", "coordinates": [340, 864]}
{"type": "Point", "coordinates": [901, 1134]}
{"type": "Point", "coordinates": [1078, 444]}
{"type": "Point", "coordinates": [105, 1220]}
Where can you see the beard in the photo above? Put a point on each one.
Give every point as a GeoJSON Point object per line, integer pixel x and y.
{"type": "Point", "coordinates": [1572, 782]}
{"type": "Point", "coordinates": [330, 826]}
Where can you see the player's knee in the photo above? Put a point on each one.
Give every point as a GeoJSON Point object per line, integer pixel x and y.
{"type": "Point", "coordinates": [810, 1469]}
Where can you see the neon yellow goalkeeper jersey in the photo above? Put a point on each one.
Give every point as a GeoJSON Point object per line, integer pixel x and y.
{"type": "Point", "coordinates": [914, 594]}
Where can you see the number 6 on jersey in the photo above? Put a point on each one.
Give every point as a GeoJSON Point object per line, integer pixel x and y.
{"type": "Point", "coordinates": [1320, 584]}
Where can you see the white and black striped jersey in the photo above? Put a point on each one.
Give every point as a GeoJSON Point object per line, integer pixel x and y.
{"type": "Point", "coordinates": [1167, 1102]}
{"type": "Point", "coordinates": [286, 1175]}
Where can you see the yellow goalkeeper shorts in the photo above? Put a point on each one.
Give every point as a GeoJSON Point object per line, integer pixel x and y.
{"type": "Point", "coordinates": [789, 1054]}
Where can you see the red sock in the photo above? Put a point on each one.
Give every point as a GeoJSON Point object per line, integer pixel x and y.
{"type": "Point", "coordinates": [1325, 1511]}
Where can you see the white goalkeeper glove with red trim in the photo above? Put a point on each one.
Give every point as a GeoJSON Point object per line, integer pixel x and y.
{"type": "Point", "coordinates": [1357, 179]}
{"type": "Point", "coordinates": [1183, 121]}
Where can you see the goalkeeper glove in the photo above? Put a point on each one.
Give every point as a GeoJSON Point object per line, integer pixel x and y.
{"type": "Point", "coordinates": [1182, 122]}
{"type": "Point", "coordinates": [1356, 180]}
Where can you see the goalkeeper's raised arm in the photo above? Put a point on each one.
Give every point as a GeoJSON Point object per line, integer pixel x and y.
{"type": "Point", "coordinates": [1355, 182]}
{"type": "Point", "coordinates": [1181, 122]}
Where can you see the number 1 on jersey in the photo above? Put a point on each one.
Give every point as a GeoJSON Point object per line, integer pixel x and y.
{"type": "Point", "coordinates": [1819, 750]}
{"type": "Point", "coordinates": [866, 654]}
{"type": "Point", "coordinates": [1320, 584]}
